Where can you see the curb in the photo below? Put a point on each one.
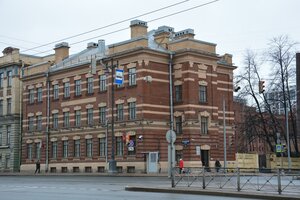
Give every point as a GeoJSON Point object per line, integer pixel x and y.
{"type": "Point", "coordinates": [211, 193]}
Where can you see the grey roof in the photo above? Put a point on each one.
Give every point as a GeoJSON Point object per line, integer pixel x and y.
{"type": "Point", "coordinates": [83, 57]}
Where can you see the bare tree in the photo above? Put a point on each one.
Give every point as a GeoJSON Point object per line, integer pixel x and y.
{"type": "Point", "coordinates": [281, 54]}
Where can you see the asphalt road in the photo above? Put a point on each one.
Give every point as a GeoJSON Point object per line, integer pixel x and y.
{"type": "Point", "coordinates": [87, 188]}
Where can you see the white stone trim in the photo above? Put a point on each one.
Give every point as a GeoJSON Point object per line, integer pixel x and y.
{"type": "Point", "coordinates": [88, 137]}
{"type": "Point", "coordinates": [119, 101]}
{"type": "Point", "coordinates": [39, 85]}
{"type": "Point", "coordinates": [38, 113]}
{"type": "Point", "coordinates": [202, 82]}
{"type": "Point", "coordinates": [30, 114]}
{"type": "Point", "coordinates": [53, 140]}
{"type": "Point", "coordinates": [65, 80]}
{"type": "Point", "coordinates": [76, 137]}
{"type": "Point", "coordinates": [102, 104]}
{"type": "Point", "coordinates": [205, 147]}
{"type": "Point", "coordinates": [178, 82]}
{"type": "Point", "coordinates": [131, 99]}
{"type": "Point", "coordinates": [132, 133]}
{"type": "Point", "coordinates": [54, 82]}
{"type": "Point", "coordinates": [29, 141]}
{"type": "Point", "coordinates": [101, 135]}
{"type": "Point", "coordinates": [54, 111]}
{"type": "Point", "coordinates": [89, 106]}
{"type": "Point", "coordinates": [64, 138]}
{"type": "Point", "coordinates": [118, 134]}
{"type": "Point", "coordinates": [77, 108]}
{"type": "Point", "coordinates": [77, 78]}
{"type": "Point", "coordinates": [66, 109]}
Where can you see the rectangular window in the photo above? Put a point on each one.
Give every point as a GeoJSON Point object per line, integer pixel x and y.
{"type": "Point", "coordinates": [204, 125]}
{"type": "Point", "coordinates": [31, 96]}
{"type": "Point", "coordinates": [132, 76]}
{"type": "Point", "coordinates": [77, 87]}
{"type": "Point", "coordinates": [54, 150]}
{"type": "Point", "coordinates": [102, 146]}
{"type": "Point", "coordinates": [9, 106]}
{"type": "Point", "coordinates": [1, 80]}
{"type": "Point", "coordinates": [89, 148]}
{"type": "Point", "coordinates": [119, 146]}
{"type": "Point", "coordinates": [55, 120]}
{"type": "Point", "coordinates": [40, 94]}
{"type": "Point", "coordinates": [65, 148]}
{"type": "Point", "coordinates": [55, 91]}
{"type": "Point", "coordinates": [178, 93]}
{"type": "Point", "coordinates": [102, 115]}
{"type": "Point", "coordinates": [39, 122]}
{"type": "Point", "coordinates": [66, 89]}
{"type": "Point", "coordinates": [90, 85]}
{"type": "Point", "coordinates": [31, 124]}
{"type": "Point", "coordinates": [66, 119]}
{"type": "Point", "coordinates": [8, 133]}
{"type": "Point", "coordinates": [120, 112]}
{"type": "Point", "coordinates": [29, 151]}
{"type": "Point", "coordinates": [102, 82]}
{"type": "Point", "coordinates": [38, 150]}
{"type": "Point", "coordinates": [132, 110]}
{"type": "Point", "coordinates": [1, 107]}
{"type": "Point", "coordinates": [9, 78]}
{"type": "Point", "coordinates": [178, 124]}
{"type": "Point", "coordinates": [77, 118]}
{"type": "Point", "coordinates": [203, 94]}
{"type": "Point", "coordinates": [90, 116]}
{"type": "Point", "coordinates": [77, 148]}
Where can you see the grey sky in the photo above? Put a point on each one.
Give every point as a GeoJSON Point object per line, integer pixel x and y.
{"type": "Point", "coordinates": [234, 25]}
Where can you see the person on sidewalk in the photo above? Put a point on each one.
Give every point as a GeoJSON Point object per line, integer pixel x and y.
{"type": "Point", "coordinates": [37, 167]}
{"type": "Point", "coordinates": [218, 165]}
{"type": "Point", "coordinates": [181, 165]}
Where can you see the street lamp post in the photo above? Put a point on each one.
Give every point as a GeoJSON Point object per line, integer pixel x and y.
{"type": "Point", "coordinates": [112, 161]}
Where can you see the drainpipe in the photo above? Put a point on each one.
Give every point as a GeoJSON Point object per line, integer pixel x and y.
{"type": "Point", "coordinates": [20, 113]}
{"type": "Point", "coordinates": [171, 116]}
{"type": "Point", "coordinates": [48, 121]}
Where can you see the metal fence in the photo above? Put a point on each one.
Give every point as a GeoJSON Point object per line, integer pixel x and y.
{"type": "Point", "coordinates": [240, 179]}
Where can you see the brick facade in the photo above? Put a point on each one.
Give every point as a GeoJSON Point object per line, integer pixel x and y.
{"type": "Point", "coordinates": [146, 106]}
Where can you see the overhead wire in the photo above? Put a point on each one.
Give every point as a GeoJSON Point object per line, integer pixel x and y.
{"type": "Point", "coordinates": [122, 29]}
{"type": "Point", "coordinates": [106, 26]}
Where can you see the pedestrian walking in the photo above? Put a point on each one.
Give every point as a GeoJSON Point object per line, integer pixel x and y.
{"type": "Point", "coordinates": [218, 165]}
{"type": "Point", "coordinates": [37, 167]}
{"type": "Point", "coordinates": [181, 166]}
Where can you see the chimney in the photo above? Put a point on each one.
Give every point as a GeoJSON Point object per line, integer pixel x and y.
{"type": "Point", "coordinates": [61, 51]}
{"type": "Point", "coordinates": [10, 50]}
{"type": "Point", "coordinates": [101, 46]}
{"type": "Point", "coordinates": [227, 58]}
{"type": "Point", "coordinates": [187, 33]}
{"type": "Point", "coordinates": [163, 35]}
{"type": "Point", "coordinates": [138, 28]}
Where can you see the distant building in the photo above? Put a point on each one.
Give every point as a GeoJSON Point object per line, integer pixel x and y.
{"type": "Point", "coordinates": [11, 64]}
{"type": "Point", "coordinates": [67, 106]}
{"type": "Point", "coordinates": [275, 99]}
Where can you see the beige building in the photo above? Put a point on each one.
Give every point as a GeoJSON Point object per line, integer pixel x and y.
{"type": "Point", "coordinates": [11, 64]}
{"type": "Point", "coordinates": [171, 81]}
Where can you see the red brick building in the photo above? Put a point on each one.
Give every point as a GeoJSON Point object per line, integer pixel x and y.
{"type": "Point", "coordinates": [67, 104]}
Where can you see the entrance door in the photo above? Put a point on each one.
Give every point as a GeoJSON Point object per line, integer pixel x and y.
{"type": "Point", "coordinates": [205, 157]}
{"type": "Point", "coordinates": [152, 162]}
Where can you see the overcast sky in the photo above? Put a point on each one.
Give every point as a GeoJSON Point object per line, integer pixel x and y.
{"type": "Point", "coordinates": [234, 25]}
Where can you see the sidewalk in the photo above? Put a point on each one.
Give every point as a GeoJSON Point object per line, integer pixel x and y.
{"type": "Point", "coordinates": [199, 191]}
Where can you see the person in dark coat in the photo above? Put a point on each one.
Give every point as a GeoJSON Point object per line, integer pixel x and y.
{"type": "Point", "coordinates": [218, 165]}
{"type": "Point", "coordinates": [37, 167]}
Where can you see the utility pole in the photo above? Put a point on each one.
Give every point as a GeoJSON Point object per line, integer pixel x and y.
{"type": "Point", "coordinates": [112, 163]}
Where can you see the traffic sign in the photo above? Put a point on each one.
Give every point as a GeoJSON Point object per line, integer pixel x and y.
{"type": "Point", "coordinates": [279, 148]}
{"type": "Point", "coordinates": [171, 136]}
{"type": "Point", "coordinates": [119, 76]}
